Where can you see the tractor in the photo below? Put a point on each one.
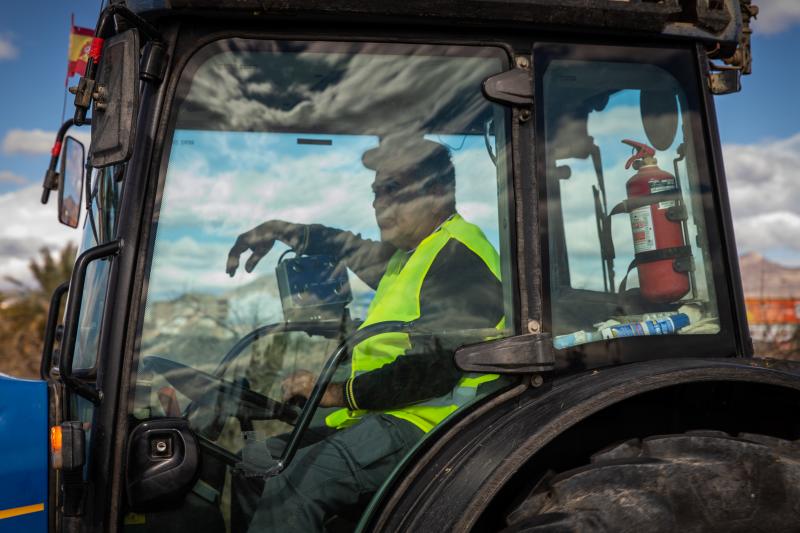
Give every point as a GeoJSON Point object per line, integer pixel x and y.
{"type": "Point", "coordinates": [619, 392]}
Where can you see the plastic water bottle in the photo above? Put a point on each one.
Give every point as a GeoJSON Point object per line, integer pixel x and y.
{"type": "Point", "coordinates": [574, 339]}
{"type": "Point", "coordinates": [666, 325]}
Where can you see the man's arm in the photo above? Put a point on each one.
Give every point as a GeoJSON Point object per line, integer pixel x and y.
{"type": "Point", "coordinates": [365, 257]}
{"type": "Point", "coordinates": [459, 292]}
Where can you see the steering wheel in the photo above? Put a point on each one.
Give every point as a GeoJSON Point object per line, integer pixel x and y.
{"type": "Point", "coordinates": [223, 398]}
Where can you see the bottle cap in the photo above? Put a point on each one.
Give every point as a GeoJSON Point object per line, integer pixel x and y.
{"type": "Point", "coordinates": [680, 320]}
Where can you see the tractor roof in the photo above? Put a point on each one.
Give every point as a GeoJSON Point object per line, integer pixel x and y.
{"type": "Point", "coordinates": [714, 21]}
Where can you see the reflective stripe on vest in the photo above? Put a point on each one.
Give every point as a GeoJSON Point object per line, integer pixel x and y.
{"type": "Point", "coordinates": [397, 298]}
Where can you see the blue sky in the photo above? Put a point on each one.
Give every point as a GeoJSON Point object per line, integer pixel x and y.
{"type": "Point", "coordinates": [32, 93]}
{"type": "Point", "coordinates": [760, 129]}
{"type": "Point", "coordinates": [767, 107]}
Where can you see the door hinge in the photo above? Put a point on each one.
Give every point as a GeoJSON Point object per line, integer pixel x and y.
{"type": "Point", "coordinates": [522, 354]}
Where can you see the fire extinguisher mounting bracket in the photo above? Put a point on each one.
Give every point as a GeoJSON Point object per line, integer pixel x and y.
{"type": "Point", "coordinates": [675, 252]}
{"type": "Point", "coordinates": [683, 264]}
{"type": "Point", "coordinates": [677, 213]}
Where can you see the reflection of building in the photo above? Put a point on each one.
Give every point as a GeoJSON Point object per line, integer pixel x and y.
{"type": "Point", "coordinates": [773, 319]}
{"type": "Point", "coordinates": [772, 298]}
{"type": "Point", "coordinates": [199, 313]}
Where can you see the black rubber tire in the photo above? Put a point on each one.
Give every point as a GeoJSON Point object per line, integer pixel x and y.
{"type": "Point", "coordinates": [699, 481]}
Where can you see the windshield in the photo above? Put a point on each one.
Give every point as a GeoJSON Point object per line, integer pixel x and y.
{"type": "Point", "coordinates": [629, 202]}
{"type": "Point", "coordinates": [314, 191]}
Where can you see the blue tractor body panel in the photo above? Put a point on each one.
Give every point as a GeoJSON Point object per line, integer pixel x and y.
{"type": "Point", "coordinates": [24, 455]}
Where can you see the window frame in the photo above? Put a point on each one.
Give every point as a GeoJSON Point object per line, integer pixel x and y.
{"type": "Point", "coordinates": [181, 82]}
{"type": "Point", "coordinates": [630, 349]}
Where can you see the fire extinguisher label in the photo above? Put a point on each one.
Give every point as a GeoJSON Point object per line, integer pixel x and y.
{"type": "Point", "coordinates": [662, 185]}
{"type": "Point", "coordinates": [644, 236]}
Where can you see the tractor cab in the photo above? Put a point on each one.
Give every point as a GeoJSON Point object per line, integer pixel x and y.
{"type": "Point", "coordinates": [587, 188]}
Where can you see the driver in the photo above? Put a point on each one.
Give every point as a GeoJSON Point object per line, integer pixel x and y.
{"type": "Point", "coordinates": [430, 266]}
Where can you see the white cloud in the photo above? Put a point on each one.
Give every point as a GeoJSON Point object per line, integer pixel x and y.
{"type": "Point", "coordinates": [36, 141]}
{"type": "Point", "coordinates": [7, 48]}
{"type": "Point", "coordinates": [374, 91]}
{"type": "Point", "coordinates": [775, 16]}
{"type": "Point", "coordinates": [222, 184]}
{"type": "Point", "coordinates": [30, 142]}
{"type": "Point", "coordinates": [6, 176]}
{"type": "Point", "coordinates": [28, 226]}
{"type": "Point", "coordinates": [765, 198]}
{"type": "Point", "coordinates": [618, 122]}
{"type": "Point", "coordinates": [769, 231]}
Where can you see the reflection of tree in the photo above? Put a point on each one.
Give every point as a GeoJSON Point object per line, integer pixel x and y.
{"type": "Point", "coordinates": [23, 313]}
{"type": "Point", "coordinates": [198, 329]}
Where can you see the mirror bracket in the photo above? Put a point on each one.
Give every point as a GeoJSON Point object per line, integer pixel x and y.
{"type": "Point", "coordinates": [83, 97]}
{"type": "Point", "coordinates": [51, 178]}
{"type": "Point", "coordinates": [100, 97]}
{"type": "Point", "coordinates": [727, 78]}
{"type": "Point", "coordinates": [154, 62]}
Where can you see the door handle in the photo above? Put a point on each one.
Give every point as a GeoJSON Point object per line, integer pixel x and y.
{"type": "Point", "coordinates": [162, 463]}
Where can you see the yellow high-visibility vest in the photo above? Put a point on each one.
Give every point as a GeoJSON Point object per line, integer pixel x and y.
{"type": "Point", "coordinates": [397, 298]}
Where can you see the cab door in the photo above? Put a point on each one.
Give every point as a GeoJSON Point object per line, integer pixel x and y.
{"type": "Point", "coordinates": [265, 130]}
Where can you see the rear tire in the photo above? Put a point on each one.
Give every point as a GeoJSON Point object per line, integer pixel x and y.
{"type": "Point", "coordinates": [700, 481]}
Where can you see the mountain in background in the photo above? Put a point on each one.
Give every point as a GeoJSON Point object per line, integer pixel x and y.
{"type": "Point", "coordinates": [762, 278]}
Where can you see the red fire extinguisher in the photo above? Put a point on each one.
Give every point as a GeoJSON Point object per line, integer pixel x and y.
{"type": "Point", "coordinates": [656, 210]}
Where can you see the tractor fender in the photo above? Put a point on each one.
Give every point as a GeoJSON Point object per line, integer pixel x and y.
{"type": "Point", "coordinates": [451, 480]}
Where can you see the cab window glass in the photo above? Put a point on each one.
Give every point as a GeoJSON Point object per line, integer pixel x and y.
{"type": "Point", "coordinates": [323, 199]}
{"type": "Point", "coordinates": [628, 200]}
{"type": "Point", "coordinates": [99, 228]}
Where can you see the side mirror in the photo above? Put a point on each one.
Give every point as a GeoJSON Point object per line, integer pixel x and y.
{"type": "Point", "coordinates": [70, 186]}
{"type": "Point", "coordinates": [116, 100]}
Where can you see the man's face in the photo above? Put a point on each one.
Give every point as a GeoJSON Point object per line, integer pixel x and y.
{"type": "Point", "coordinates": [405, 212]}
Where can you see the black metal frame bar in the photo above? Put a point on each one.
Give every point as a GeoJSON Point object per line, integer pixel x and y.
{"type": "Point", "coordinates": [635, 349]}
{"type": "Point", "coordinates": [324, 380]}
{"type": "Point", "coordinates": [50, 329]}
{"type": "Point", "coordinates": [72, 317]}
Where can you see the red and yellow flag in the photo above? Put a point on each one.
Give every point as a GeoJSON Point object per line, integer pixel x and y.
{"type": "Point", "coordinates": [80, 42]}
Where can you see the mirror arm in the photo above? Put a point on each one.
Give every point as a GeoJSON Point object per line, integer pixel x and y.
{"type": "Point", "coordinates": [51, 177]}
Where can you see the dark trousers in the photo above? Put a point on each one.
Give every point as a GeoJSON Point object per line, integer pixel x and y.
{"type": "Point", "coordinates": [336, 475]}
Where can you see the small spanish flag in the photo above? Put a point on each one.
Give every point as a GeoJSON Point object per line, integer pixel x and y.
{"type": "Point", "coordinates": [80, 42]}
